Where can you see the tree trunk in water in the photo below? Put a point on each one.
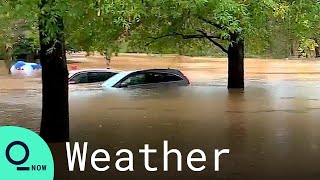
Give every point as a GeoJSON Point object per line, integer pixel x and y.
{"type": "Point", "coordinates": [292, 50]}
{"type": "Point", "coordinates": [318, 49]}
{"type": "Point", "coordinates": [236, 63]}
{"type": "Point", "coordinates": [8, 58]}
{"type": "Point", "coordinates": [55, 104]}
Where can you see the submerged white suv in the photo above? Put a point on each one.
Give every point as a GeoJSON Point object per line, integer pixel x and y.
{"type": "Point", "coordinates": [147, 79]}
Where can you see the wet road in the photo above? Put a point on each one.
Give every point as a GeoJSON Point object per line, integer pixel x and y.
{"type": "Point", "coordinates": [271, 128]}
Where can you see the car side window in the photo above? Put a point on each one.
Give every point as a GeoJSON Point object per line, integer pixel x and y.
{"type": "Point", "coordinates": [135, 79]}
{"type": "Point", "coordinates": [170, 78]}
{"type": "Point", "coordinates": [151, 77]}
{"type": "Point", "coordinates": [80, 78]}
{"type": "Point", "coordinates": [165, 77]}
{"type": "Point", "coordinates": [99, 76]}
{"type": "Point", "coordinates": [107, 75]}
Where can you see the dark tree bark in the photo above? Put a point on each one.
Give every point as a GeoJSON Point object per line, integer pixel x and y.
{"type": "Point", "coordinates": [318, 48]}
{"type": "Point", "coordinates": [292, 50]}
{"type": "Point", "coordinates": [236, 63]}
{"type": "Point", "coordinates": [8, 58]}
{"type": "Point", "coordinates": [235, 56]}
{"type": "Point", "coordinates": [55, 104]}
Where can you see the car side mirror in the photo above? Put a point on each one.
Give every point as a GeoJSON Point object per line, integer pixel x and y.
{"type": "Point", "coordinates": [72, 82]}
{"type": "Point", "coordinates": [124, 85]}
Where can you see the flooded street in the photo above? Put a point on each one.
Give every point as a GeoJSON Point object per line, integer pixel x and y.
{"type": "Point", "coordinates": [272, 128]}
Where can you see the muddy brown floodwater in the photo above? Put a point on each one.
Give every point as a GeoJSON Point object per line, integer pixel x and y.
{"type": "Point", "coordinates": [272, 128]}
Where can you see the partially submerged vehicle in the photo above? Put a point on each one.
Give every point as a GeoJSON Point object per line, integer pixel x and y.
{"type": "Point", "coordinates": [150, 78]}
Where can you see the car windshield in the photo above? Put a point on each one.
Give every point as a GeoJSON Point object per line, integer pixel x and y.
{"type": "Point", "coordinates": [71, 74]}
{"type": "Point", "coordinates": [115, 79]}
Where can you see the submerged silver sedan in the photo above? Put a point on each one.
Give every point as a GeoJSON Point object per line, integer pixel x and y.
{"type": "Point", "coordinates": [150, 78]}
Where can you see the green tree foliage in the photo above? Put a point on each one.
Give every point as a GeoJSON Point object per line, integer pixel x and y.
{"type": "Point", "coordinates": [96, 25]}
{"type": "Point", "coordinates": [109, 25]}
{"type": "Point", "coordinates": [306, 24]}
{"type": "Point", "coordinates": [18, 28]}
{"type": "Point", "coordinates": [165, 22]}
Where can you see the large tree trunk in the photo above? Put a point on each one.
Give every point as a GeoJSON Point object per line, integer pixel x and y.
{"type": "Point", "coordinates": [236, 63]}
{"type": "Point", "coordinates": [55, 105]}
{"type": "Point", "coordinates": [318, 48]}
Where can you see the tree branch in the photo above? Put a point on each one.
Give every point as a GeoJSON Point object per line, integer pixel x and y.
{"type": "Point", "coordinates": [213, 41]}
{"type": "Point", "coordinates": [219, 45]}
{"type": "Point", "coordinates": [209, 36]}
{"type": "Point", "coordinates": [211, 23]}
{"type": "Point", "coordinates": [157, 38]}
{"type": "Point", "coordinates": [193, 36]}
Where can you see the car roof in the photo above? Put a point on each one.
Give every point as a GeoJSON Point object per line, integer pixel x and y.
{"type": "Point", "coordinates": [73, 72]}
{"type": "Point", "coordinates": [172, 71]}
{"type": "Point", "coordinates": [116, 78]}
{"type": "Point", "coordinates": [88, 70]}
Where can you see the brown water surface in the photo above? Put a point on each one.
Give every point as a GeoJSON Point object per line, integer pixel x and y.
{"type": "Point", "coordinates": [271, 128]}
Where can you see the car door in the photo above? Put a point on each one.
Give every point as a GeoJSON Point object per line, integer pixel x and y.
{"type": "Point", "coordinates": [135, 80]}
